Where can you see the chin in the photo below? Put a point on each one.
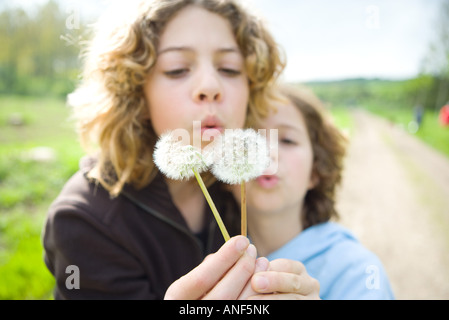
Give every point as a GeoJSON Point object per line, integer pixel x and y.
{"type": "Point", "coordinates": [264, 206]}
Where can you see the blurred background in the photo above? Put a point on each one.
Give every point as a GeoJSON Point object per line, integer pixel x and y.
{"type": "Point", "coordinates": [381, 67]}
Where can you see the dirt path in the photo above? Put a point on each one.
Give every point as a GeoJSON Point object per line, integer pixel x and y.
{"type": "Point", "coordinates": [395, 197]}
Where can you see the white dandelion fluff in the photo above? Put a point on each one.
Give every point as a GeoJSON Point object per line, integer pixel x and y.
{"type": "Point", "coordinates": [177, 160]}
{"type": "Point", "coordinates": [240, 156]}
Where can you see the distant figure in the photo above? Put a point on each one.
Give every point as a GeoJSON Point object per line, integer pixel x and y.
{"type": "Point", "coordinates": [415, 124]}
{"type": "Point", "coordinates": [419, 114]}
{"type": "Point", "coordinates": [444, 115]}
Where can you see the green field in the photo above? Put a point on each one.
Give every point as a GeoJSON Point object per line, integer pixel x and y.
{"type": "Point", "coordinates": [30, 178]}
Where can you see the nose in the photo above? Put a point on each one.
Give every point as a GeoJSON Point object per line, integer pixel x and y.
{"type": "Point", "coordinates": [208, 88]}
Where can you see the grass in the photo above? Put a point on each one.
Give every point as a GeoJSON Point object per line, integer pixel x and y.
{"type": "Point", "coordinates": [343, 119]}
{"type": "Point", "coordinates": [431, 132]}
{"type": "Point", "coordinates": [28, 186]}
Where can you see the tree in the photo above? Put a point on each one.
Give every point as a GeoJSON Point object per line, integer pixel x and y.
{"type": "Point", "coordinates": [34, 59]}
{"type": "Point", "coordinates": [436, 62]}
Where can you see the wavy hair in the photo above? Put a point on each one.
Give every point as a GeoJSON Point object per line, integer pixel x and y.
{"type": "Point", "coordinates": [329, 148]}
{"type": "Point", "coordinates": [109, 104]}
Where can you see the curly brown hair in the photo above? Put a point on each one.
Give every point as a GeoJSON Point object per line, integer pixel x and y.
{"type": "Point", "coordinates": [109, 104]}
{"type": "Point", "coordinates": [329, 148]}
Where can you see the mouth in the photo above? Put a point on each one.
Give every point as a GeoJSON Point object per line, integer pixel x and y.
{"type": "Point", "coordinates": [211, 126]}
{"type": "Point", "coordinates": [267, 181]}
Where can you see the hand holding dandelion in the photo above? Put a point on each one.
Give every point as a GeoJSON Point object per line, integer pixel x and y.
{"type": "Point", "coordinates": [240, 156]}
{"type": "Point", "coordinates": [179, 161]}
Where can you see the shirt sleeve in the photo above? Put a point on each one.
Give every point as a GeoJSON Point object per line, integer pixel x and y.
{"type": "Point", "coordinates": [87, 261]}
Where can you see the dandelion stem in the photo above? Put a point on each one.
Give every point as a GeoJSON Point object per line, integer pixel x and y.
{"type": "Point", "coordinates": [243, 209]}
{"type": "Point", "coordinates": [212, 206]}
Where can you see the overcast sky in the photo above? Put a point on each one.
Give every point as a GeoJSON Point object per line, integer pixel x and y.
{"type": "Point", "coordinates": [331, 39]}
{"type": "Point", "coordinates": [335, 39]}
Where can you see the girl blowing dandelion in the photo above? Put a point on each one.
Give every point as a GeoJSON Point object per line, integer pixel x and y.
{"type": "Point", "coordinates": [291, 211]}
{"type": "Point", "coordinates": [131, 231]}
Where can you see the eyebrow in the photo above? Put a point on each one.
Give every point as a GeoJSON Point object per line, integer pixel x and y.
{"type": "Point", "coordinates": [292, 127]}
{"type": "Point", "coordinates": [190, 49]}
{"type": "Point", "coordinates": [169, 49]}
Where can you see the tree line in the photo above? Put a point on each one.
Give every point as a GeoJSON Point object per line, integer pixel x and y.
{"type": "Point", "coordinates": [35, 56]}
{"type": "Point", "coordinates": [429, 89]}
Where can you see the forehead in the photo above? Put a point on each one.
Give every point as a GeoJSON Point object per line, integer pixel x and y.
{"type": "Point", "coordinates": [285, 115]}
{"type": "Point", "coordinates": [194, 25]}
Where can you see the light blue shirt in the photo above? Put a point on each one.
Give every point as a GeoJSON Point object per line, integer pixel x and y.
{"type": "Point", "coordinates": [345, 269]}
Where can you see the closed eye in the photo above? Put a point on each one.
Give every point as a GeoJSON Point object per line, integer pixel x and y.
{"type": "Point", "coordinates": [176, 73]}
{"type": "Point", "coordinates": [230, 72]}
{"type": "Point", "coordinates": [287, 141]}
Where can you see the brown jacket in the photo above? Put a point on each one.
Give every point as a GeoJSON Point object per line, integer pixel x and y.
{"type": "Point", "coordinates": [130, 247]}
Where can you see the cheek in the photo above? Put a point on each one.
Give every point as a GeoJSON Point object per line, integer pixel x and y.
{"type": "Point", "coordinates": [160, 121]}
{"type": "Point", "coordinates": [159, 118]}
{"type": "Point", "coordinates": [162, 104]}
{"type": "Point", "coordinates": [298, 167]}
{"type": "Point", "coordinates": [238, 108]}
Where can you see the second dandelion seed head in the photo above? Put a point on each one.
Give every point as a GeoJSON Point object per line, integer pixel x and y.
{"type": "Point", "coordinates": [239, 155]}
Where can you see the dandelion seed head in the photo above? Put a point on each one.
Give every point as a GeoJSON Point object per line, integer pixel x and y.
{"type": "Point", "coordinates": [177, 160]}
{"type": "Point", "coordinates": [240, 155]}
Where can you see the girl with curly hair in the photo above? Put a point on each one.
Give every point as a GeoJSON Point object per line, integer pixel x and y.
{"type": "Point", "coordinates": [291, 207]}
{"type": "Point", "coordinates": [130, 231]}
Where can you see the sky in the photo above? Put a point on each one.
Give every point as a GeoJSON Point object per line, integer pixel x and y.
{"type": "Point", "coordinates": [326, 40]}
{"type": "Point", "coordinates": [333, 39]}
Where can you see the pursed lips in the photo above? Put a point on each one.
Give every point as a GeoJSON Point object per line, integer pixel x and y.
{"type": "Point", "coordinates": [267, 181]}
{"type": "Point", "coordinates": [211, 123]}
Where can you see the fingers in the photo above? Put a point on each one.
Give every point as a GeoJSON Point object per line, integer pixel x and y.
{"type": "Point", "coordinates": [271, 281]}
{"type": "Point", "coordinates": [232, 284]}
{"type": "Point", "coordinates": [286, 276]}
{"type": "Point", "coordinates": [282, 282]}
{"type": "Point", "coordinates": [286, 265]}
{"type": "Point", "coordinates": [204, 277]}
{"type": "Point", "coordinates": [262, 264]}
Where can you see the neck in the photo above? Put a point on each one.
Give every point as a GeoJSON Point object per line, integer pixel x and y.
{"type": "Point", "coordinates": [189, 200]}
{"type": "Point", "coordinates": [270, 232]}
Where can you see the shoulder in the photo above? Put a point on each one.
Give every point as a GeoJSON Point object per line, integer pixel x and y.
{"type": "Point", "coordinates": [75, 212]}
{"type": "Point", "coordinates": [352, 270]}
{"type": "Point", "coordinates": [82, 196]}
{"type": "Point", "coordinates": [84, 215]}
{"type": "Point", "coordinates": [81, 207]}
{"type": "Point", "coordinates": [344, 267]}
{"type": "Point", "coordinates": [87, 229]}
{"type": "Point", "coordinates": [78, 197]}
